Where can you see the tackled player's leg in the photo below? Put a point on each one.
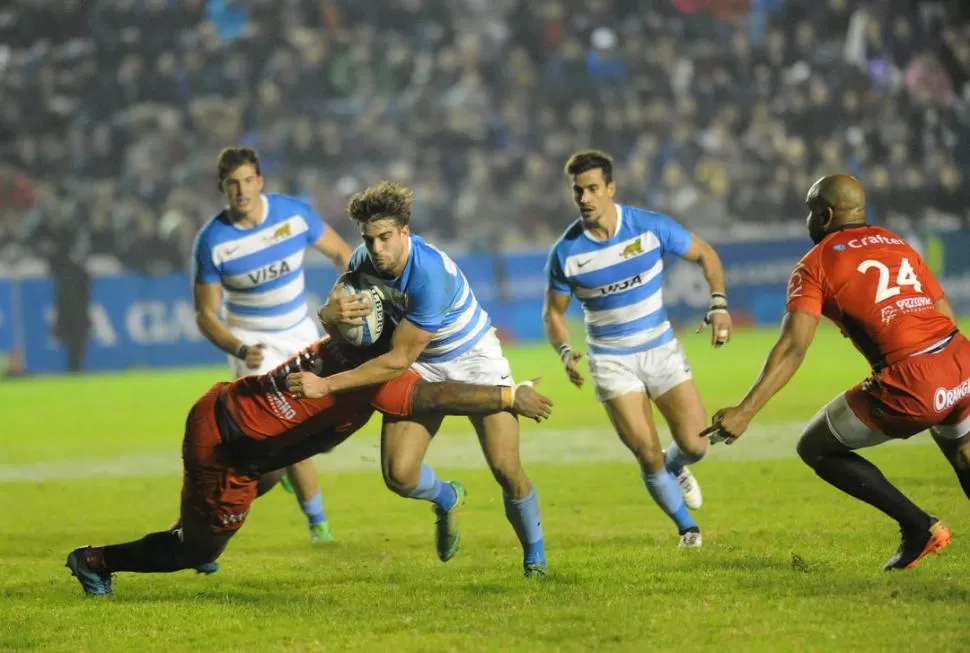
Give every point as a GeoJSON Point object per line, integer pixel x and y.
{"type": "Point", "coordinates": [404, 442]}
{"type": "Point", "coordinates": [498, 435]}
{"type": "Point", "coordinates": [828, 446]}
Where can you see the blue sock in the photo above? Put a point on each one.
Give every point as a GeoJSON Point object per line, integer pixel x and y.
{"type": "Point", "coordinates": [663, 487]}
{"type": "Point", "coordinates": [313, 509]}
{"type": "Point", "coordinates": [675, 460]}
{"type": "Point", "coordinates": [433, 489]}
{"type": "Point", "coordinates": [526, 520]}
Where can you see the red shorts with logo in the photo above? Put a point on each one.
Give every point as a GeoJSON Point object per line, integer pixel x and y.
{"type": "Point", "coordinates": [213, 493]}
{"type": "Point", "coordinates": [914, 394]}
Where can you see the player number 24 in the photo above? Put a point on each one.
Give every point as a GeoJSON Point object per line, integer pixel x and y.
{"type": "Point", "coordinates": [905, 277]}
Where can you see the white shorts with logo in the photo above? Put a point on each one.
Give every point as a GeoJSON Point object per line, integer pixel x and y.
{"type": "Point", "coordinates": [278, 346]}
{"type": "Point", "coordinates": [654, 371]}
{"type": "Point", "coordinates": [483, 364]}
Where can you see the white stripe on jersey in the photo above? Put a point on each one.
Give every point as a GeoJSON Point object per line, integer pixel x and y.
{"type": "Point", "coordinates": [619, 286]}
{"type": "Point", "coordinates": [267, 322]}
{"type": "Point", "coordinates": [231, 250]}
{"type": "Point", "coordinates": [634, 339]}
{"type": "Point", "coordinates": [624, 314]}
{"type": "Point", "coordinates": [275, 297]}
{"type": "Point", "coordinates": [460, 323]}
{"type": "Point", "coordinates": [585, 263]}
{"type": "Point", "coordinates": [245, 281]}
{"type": "Point", "coordinates": [473, 333]}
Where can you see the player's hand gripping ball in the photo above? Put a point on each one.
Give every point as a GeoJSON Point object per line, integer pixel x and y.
{"type": "Point", "coordinates": [371, 325]}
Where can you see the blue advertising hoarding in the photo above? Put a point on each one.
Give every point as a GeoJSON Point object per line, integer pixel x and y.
{"type": "Point", "coordinates": [141, 321]}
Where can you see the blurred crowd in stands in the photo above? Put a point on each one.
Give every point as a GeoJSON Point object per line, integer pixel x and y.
{"type": "Point", "coordinates": [720, 112]}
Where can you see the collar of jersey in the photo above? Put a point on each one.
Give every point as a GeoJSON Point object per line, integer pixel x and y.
{"type": "Point", "coordinates": [265, 203]}
{"type": "Point", "coordinates": [619, 225]}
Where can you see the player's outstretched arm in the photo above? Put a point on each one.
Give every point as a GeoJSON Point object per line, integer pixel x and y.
{"type": "Point", "coordinates": [467, 399]}
{"type": "Point", "coordinates": [784, 359]}
{"type": "Point", "coordinates": [702, 253]}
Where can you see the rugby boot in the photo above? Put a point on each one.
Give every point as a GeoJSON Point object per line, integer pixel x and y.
{"type": "Point", "coordinates": [914, 545]}
{"type": "Point", "coordinates": [447, 534]}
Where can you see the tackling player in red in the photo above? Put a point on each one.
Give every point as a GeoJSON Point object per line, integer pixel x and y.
{"type": "Point", "coordinates": [878, 291]}
{"type": "Point", "coordinates": [240, 436]}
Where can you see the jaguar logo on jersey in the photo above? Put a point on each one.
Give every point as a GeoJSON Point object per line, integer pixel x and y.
{"type": "Point", "coordinates": [269, 272]}
{"type": "Point", "coordinates": [633, 249]}
{"type": "Point", "coordinates": [281, 232]}
{"type": "Point", "coordinates": [945, 398]}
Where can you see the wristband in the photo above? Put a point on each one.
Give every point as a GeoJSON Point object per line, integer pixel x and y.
{"type": "Point", "coordinates": [242, 352]}
{"type": "Point", "coordinates": [564, 352]}
{"type": "Point", "coordinates": [508, 397]}
{"type": "Point", "coordinates": [719, 304]}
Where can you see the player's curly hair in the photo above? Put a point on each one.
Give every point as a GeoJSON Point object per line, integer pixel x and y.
{"type": "Point", "coordinates": [386, 199]}
{"type": "Point", "coordinates": [587, 160]}
{"type": "Point", "coordinates": [231, 158]}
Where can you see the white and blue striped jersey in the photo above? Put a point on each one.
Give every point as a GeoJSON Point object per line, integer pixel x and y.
{"type": "Point", "coordinates": [619, 281]}
{"type": "Point", "coordinates": [260, 268]}
{"type": "Point", "coordinates": [432, 294]}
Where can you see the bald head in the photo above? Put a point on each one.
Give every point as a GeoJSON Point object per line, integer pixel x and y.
{"type": "Point", "coordinates": [841, 193]}
{"type": "Point", "coordinates": [834, 201]}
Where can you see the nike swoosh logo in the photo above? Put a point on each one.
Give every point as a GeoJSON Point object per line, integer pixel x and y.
{"type": "Point", "coordinates": [505, 377]}
{"type": "Point", "coordinates": [231, 250]}
{"type": "Point", "coordinates": [583, 264]}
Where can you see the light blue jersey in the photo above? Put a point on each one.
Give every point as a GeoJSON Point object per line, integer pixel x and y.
{"type": "Point", "coordinates": [619, 281]}
{"type": "Point", "coordinates": [432, 294]}
{"type": "Point", "coordinates": [261, 267]}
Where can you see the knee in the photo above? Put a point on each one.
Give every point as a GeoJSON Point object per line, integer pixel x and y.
{"type": "Point", "coordinates": [808, 450]}
{"type": "Point", "coordinates": [401, 478]}
{"type": "Point", "coordinates": [510, 475]}
{"type": "Point", "coordinates": [648, 453]}
{"type": "Point", "coordinates": [961, 460]}
{"type": "Point", "coordinates": [695, 447]}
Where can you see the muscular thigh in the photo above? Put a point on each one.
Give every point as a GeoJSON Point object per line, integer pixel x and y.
{"type": "Point", "coordinates": [499, 437]}
{"type": "Point", "coordinates": [683, 410]}
{"type": "Point", "coordinates": [632, 416]}
{"type": "Point", "coordinates": [404, 441]}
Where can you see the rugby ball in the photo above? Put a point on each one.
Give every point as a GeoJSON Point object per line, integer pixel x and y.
{"type": "Point", "coordinates": [370, 331]}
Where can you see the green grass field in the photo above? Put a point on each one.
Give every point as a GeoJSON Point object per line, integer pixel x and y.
{"type": "Point", "coordinates": [788, 563]}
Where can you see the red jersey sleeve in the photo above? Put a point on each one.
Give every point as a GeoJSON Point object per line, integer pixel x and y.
{"type": "Point", "coordinates": [805, 291]}
{"type": "Point", "coordinates": [394, 397]}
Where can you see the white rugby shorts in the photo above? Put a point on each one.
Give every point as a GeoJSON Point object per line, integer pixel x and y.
{"type": "Point", "coordinates": [278, 346]}
{"type": "Point", "coordinates": [654, 371]}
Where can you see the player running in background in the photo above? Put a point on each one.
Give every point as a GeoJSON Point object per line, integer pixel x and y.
{"type": "Point", "coordinates": [878, 291]}
{"type": "Point", "coordinates": [444, 335]}
{"type": "Point", "coordinates": [253, 252]}
{"type": "Point", "coordinates": [238, 433]}
{"type": "Point", "coordinates": [611, 260]}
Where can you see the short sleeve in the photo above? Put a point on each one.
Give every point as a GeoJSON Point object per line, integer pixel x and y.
{"type": "Point", "coordinates": [430, 292]}
{"type": "Point", "coordinates": [394, 397]}
{"type": "Point", "coordinates": [315, 224]}
{"type": "Point", "coordinates": [204, 269]}
{"type": "Point", "coordinates": [805, 292]}
{"type": "Point", "coordinates": [673, 236]}
{"type": "Point", "coordinates": [555, 275]}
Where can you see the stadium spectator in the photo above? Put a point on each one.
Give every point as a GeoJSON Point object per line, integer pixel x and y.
{"type": "Point", "coordinates": [721, 112]}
